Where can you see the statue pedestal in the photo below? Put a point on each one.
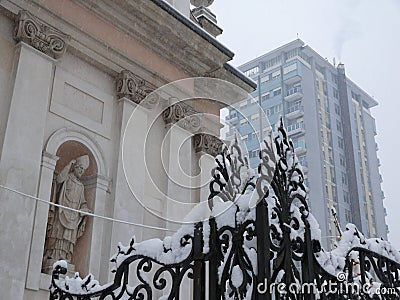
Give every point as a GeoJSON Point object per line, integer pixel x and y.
{"type": "Point", "coordinates": [47, 267]}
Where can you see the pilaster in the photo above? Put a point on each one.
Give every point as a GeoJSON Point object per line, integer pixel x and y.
{"type": "Point", "coordinates": [101, 185]}
{"type": "Point", "coordinates": [21, 158]}
{"type": "Point", "coordinates": [40, 221]}
{"type": "Point", "coordinates": [182, 122]}
{"type": "Point", "coordinates": [134, 96]}
{"type": "Point", "coordinates": [207, 147]}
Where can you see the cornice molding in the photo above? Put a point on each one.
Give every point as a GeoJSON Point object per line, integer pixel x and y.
{"type": "Point", "coordinates": [144, 21]}
{"type": "Point", "coordinates": [32, 31]}
{"type": "Point", "coordinates": [194, 51]}
{"type": "Point", "coordinates": [207, 143]}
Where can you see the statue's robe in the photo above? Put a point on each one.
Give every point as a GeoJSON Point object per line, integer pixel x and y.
{"type": "Point", "coordinates": [66, 226]}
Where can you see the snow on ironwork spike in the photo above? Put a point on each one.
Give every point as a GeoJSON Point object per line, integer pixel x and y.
{"type": "Point", "coordinates": [86, 282]}
{"type": "Point", "coordinates": [131, 244]}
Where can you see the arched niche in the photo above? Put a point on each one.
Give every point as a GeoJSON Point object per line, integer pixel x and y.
{"type": "Point", "coordinates": [64, 134]}
{"type": "Point", "coordinates": [62, 147]}
{"type": "Point", "coordinates": [68, 151]}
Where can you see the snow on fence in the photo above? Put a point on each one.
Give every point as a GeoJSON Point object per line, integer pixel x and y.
{"type": "Point", "coordinates": [259, 242]}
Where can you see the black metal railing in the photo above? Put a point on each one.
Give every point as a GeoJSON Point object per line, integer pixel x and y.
{"type": "Point", "coordinates": [264, 245]}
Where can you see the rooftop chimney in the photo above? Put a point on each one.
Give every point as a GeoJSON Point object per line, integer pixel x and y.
{"type": "Point", "coordinates": [340, 68]}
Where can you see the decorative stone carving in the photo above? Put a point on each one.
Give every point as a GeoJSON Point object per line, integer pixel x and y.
{"type": "Point", "coordinates": [133, 87]}
{"type": "Point", "coordinates": [39, 35]}
{"type": "Point", "coordinates": [64, 227]}
{"type": "Point", "coordinates": [207, 143]}
{"type": "Point", "coordinates": [183, 115]}
{"type": "Point", "coordinates": [151, 101]}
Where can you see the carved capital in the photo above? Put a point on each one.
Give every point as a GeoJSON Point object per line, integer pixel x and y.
{"type": "Point", "coordinates": [182, 115]}
{"type": "Point", "coordinates": [207, 143]}
{"type": "Point", "coordinates": [39, 35]}
{"type": "Point", "coordinates": [133, 87]}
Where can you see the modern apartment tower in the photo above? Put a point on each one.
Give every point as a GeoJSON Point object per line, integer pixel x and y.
{"type": "Point", "coordinates": [329, 120]}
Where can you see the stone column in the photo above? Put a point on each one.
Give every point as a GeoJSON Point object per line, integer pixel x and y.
{"type": "Point", "coordinates": [101, 185]}
{"type": "Point", "coordinates": [40, 221]}
{"type": "Point", "coordinates": [39, 45]}
{"type": "Point", "coordinates": [207, 147]}
{"type": "Point", "coordinates": [131, 91]}
{"type": "Point", "coordinates": [181, 122]}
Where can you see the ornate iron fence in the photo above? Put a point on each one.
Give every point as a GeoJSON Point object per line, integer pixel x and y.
{"type": "Point", "coordinates": [261, 242]}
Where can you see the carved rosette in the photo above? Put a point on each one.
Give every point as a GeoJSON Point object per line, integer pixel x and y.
{"type": "Point", "coordinates": [134, 88]}
{"type": "Point", "coordinates": [39, 35]}
{"type": "Point", "coordinates": [183, 115]}
{"type": "Point", "coordinates": [207, 143]}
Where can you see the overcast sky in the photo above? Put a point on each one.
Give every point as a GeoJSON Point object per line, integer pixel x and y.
{"type": "Point", "coordinates": [364, 35]}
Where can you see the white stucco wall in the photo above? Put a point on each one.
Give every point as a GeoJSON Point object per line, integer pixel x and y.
{"type": "Point", "coordinates": [7, 46]}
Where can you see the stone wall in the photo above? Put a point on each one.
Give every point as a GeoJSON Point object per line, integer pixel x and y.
{"type": "Point", "coordinates": [7, 46]}
{"type": "Point", "coordinates": [69, 75]}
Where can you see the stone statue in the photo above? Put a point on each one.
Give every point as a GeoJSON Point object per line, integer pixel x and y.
{"type": "Point", "coordinates": [65, 226]}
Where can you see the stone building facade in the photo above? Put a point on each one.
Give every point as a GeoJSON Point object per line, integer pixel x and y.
{"type": "Point", "coordinates": [71, 74]}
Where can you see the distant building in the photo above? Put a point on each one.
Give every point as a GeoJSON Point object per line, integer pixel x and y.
{"type": "Point", "coordinates": [329, 120]}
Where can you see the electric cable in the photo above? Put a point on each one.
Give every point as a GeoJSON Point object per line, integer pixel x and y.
{"type": "Point", "coordinates": [87, 213]}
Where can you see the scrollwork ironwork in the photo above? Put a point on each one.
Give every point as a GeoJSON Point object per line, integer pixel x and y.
{"type": "Point", "coordinates": [231, 177]}
{"type": "Point", "coordinates": [151, 276]}
{"type": "Point", "coordinates": [277, 241]}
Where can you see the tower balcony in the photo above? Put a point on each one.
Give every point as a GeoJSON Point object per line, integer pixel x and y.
{"type": "Point", "coordinates": [294, 93]}
{"type": "Point", "coordinates": [300, 148]}
{"type": "Point", "coordinates": [295, 112]}
{"type": "Point", "coordinates": [291, 79]}
{"type": "Point", "coordinates": [296, 128]}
